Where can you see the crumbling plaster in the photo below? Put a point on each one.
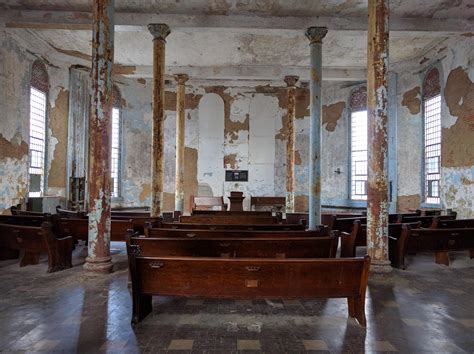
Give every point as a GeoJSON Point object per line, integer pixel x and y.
{"type": "Point", "coordinates": [15, 74]}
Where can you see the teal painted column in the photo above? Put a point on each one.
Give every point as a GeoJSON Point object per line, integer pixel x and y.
{"type": "Point", "coordinates": [315, 36]}
{"type": "Point", "coordinates": [100, 131]}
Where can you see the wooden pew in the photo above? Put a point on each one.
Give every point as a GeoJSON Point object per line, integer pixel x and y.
{"type": "Point", "coordinates": [251, 278]}
{"type": "Point", "coordinates": [195, 233]}
{"type": "Point", "coordinates": [133, 208]}
{"type": "Point", "coordinates": [138, 223]}
{"type": "Point", "coordinates": [64, 213]}
{"type": "Point", "coordinates": [426, 221]}
{"type": "Point", "coordinates": [440, 241]}
{"type": "Point", "coordinates": [251, 227]}
{"type": "Point", "coordinates": [224, 219]}
{"type": "Point", "coordinates": [24, 220]}
{"type": "Point", "coordinates": [238, 247]}
{"type": "Point", "coordinates": [79, 228]}
{"type": "Point", "coordinates": [273, 202]}
{"type": "Point", "coordinates": [36, 240]}
{"type": "Point", "coordinates": [230, 213]}
{"type": "Point", "coordinates": [207, 203]}
{"type": "Point", "coordinates": [439, 223]}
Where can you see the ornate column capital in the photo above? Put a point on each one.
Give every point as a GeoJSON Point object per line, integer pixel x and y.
{"type": "Point", "coordinates": [181, 78]}
{"type": "Point", "coordinates": [316, 34]}
{"type": "Point", "coordinates": [291, 80]}
{"type": "Point", "coordinates": [159, 31]}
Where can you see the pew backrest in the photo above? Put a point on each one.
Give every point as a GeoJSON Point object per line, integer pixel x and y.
{"type": "Point", "coordinates": [257, 247]}
{"type": "Point", "coordinates": [224, 219]}
{"type": "Point", "coordinates": [442, 239]}
{"type": "Point", "coordinates": [196, 233]}
{"type": "Point", "coordinates": [439, 223]}
{"type": "Point", "coordinates": [273, 202]}
{"type": "Point", "coordinates": [79, 228]}
{"type": "Point", "coordinates": [207, 203]}
{"type": "Point", "coordinates": [251, 227]}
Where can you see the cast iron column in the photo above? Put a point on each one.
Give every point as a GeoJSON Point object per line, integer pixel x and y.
{"type": "Point", "coordinates": [315, 36]}
{"type": "Point", "coordinates": [100, 131]}
{"type": "Point", "coordinates": [179, 184]}
{"type": "Point", "coordinates": [159, 32]}
{"type": "Point", "coordinates": [290, 144]}
{"type": "Point", "coordinates": [377, 108]}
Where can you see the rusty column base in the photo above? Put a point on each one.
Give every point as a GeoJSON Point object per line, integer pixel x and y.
{"type": "Point", "coordinates": [99, 265]}
{"type": "Point", "coordinates": [380, 267]}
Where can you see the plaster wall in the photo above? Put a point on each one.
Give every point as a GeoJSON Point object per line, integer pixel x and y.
{"type": "Point", "coordinates": [454, 60]}
{"type": "Point", "coordinates": [231, 128]}
{"type": "Point", "coordinates": [15, 72]}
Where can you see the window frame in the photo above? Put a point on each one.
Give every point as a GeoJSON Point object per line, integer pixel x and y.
{"type": "Point", "coordinates": [118, 196]}
{"type": "Point", "coordinates": [44, 89]}
{"type": "Point", "coordinates": [424, 98]}
{"type": "Point", "coordinates": [357, 103]}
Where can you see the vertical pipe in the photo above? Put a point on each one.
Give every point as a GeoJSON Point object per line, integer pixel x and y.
{"type": "Point", "coordinates": [100, 129]}
{"type": "Point", "coordinates": [377, 109]}
{"type": "Point", "coordinates": [315, 36]}
{"type": "Point", "coordinates": [159, 32]}
{"type": "Point", "coordinates": [180, 129]}
{"type": "Point", "coordinates": [290, 144]}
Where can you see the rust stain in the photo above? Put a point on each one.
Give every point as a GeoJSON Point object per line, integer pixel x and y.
{"type": "Point", "coordinates": [317, 187]}
{"type": "Point", "coordinates": [408, 202]}
{"type": "Point", "coordinates": [331, 115]}
{"type": "Point", "coordinates": [191, 101]}
{"type": "Point", "coordinates": [58, 123]}
{"type": "Point", "coordinates": [141, 81]}
{"type": "Point", "coordinates": [146, 191]}
{"type": "Point", "coordinates": [468, 34]}
{"type": "Point", "coordinates": [14, 149]}
{"type": "Point", "coordinates": [459, 96]}
{"type": "Point", "coordinates": [301, 204]}
{"type": "Point", "coordinates": [466, 181]}
{"type": "Point", "coordinates": [190, 176]}
{"type": "Point", "coordinates": [412, 100]}
{"type": "Point", "coordinates": [118, 69]}
{"type": "Point", "coordinates": [297, 158]}
{"type": "Point", "coordinates": [230, 161]}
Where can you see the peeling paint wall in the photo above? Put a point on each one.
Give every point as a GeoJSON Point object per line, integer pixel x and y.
{"type": "Point", "coordinates": [457, 147]}
{"type": "Point", "coordinates": [231, 128]}
{"type": "Point", "coordinates": [15, 71]}
{"type": "Point", "coordinates": [457, 120]}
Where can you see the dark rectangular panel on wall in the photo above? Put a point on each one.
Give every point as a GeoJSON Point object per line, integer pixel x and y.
{"type": "Point", "coordinates": [236, 176]}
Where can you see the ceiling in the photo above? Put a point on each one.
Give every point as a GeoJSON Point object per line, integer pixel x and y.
{"type": "Point", "coordinates": [234, 38]}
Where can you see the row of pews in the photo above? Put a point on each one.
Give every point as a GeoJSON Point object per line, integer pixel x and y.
{"type": "Point", "coordinates": [251, 255]}
{"type": "Point", "coordinates": [413, 233]}
{"type": "Point", "coordinates": [28, 234]}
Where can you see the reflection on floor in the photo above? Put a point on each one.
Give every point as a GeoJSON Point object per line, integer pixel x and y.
{"type": "Point", "coordinates": [426, 308]}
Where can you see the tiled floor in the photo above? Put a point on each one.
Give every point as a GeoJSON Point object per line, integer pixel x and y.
{"type": "Point", "coordinates": [426, 308]}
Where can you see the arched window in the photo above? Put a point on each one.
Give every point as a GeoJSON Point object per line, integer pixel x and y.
{"type": "Point", "coordinates": [358, 144]}
{"type": "Point", "coordinates": [432, 136]}
{"type": "Point", "coordinates": [116, 143]}
{"type": "Point", "coordinates": [39, 87]}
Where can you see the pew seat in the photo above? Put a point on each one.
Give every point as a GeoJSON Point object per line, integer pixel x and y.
{"type": "Point", "coordinates": [36, 240]}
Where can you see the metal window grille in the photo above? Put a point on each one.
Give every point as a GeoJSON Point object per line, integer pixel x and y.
{"type": "Point", "coordinates": [37, 141]}
{"type": "Point", "coordinates": [115, 153]}
{"type": "Point", "coordinates": [432, 112]}
{"type": "Point", "coordinates": [359, 155]}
